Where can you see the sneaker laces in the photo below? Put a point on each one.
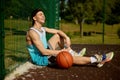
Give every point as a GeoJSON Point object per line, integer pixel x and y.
{"type": "Point", "coordinates": [100, 57]}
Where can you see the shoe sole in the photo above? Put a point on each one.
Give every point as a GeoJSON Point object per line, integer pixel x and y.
{"type": "Point", "coordinates": [103, 62]}
{"type": "Point", "coordinates": [84, 52]}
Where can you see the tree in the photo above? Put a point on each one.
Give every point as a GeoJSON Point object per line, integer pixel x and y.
{"type": "Point", "coordinates": [81, 10]}
{"type": "Point", "coordinates": [18, 8]}
{"type": "Point", "coordinates": [62, 8]}
{"type": "Point", "coordinates": [92, 9]}
{"type": "Point", "coordinates": [114, 15]}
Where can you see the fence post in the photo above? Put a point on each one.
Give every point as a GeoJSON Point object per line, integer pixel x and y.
{"type": "Point", "coordinates": [2, 65]}
{"type": "Point", "coordinates": [103, 20]}
{"type": "Point", "coordinates": [53, 15]}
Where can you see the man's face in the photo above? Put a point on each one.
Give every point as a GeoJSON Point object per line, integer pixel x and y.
{"type": "Point", "coordinates": [39, 17]}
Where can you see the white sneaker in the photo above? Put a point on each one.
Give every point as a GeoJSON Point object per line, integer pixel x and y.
{"type": "Point", "coordinates": [81, 53]}
{"type": "Point", "coordinates": [102, 59]}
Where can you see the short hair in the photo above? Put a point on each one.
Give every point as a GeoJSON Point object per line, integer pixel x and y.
{"type": "Point", "coordinates": [34, 12]}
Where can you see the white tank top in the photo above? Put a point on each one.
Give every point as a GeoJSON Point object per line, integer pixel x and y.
{"type": "Point", "coordinates": [42, 35]}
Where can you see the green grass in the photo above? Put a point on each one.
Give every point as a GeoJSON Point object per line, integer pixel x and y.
{"type": "Point", "coordinates": [15, 51]}
{"type": "Point", "coordinates": [110, 37]}
{"type": "Point", "coordinates": [15, 45]}
{"type": "Point", "coordinates": [17, 24]}
{"type": "Point", "coordinates": [95, 39]}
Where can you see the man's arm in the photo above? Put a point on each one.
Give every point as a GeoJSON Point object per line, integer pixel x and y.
{"type": "Point", "coordinates": [38, 43]}
{"type": "Point", "coordinates": [61, 33]}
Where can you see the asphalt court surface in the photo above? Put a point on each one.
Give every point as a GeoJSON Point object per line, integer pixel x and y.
{"type": "Point", "coordinates": [110, 71]}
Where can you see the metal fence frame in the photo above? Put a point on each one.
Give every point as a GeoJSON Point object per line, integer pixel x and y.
{"type": "Point", "coordinates": [51, 9]}
{"type": "Point", "coordinates": [2, 35]}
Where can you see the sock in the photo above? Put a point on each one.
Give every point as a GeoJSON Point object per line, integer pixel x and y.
{"type": "Point", "coordinates": [93, 59]}
{"type": "Point", "coordinates": [71, 52]}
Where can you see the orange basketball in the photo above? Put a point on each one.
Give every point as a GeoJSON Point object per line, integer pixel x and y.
{"type": "Point", "coordinates": [64, 59]}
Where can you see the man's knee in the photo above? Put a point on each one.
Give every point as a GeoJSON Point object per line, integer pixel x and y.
{"type": "Point", "coordinates": [57, 36]}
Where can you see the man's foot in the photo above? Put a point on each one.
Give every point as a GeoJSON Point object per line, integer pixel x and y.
{"type": "Point", "coordinates": [81, 53]}
{"type": "Point", "coordinates": [102, 59]}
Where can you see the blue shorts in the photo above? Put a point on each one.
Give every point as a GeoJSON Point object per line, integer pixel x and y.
{"type": "Point", "coordinates": [37, 57]}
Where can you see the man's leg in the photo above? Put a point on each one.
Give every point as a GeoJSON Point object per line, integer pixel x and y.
{"type": "Point", "coordinates": [56, 42]}
{"type": "Point", "coordinates": [100, 59]}
{"type": "Point", "coordinates": [81, 60]}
